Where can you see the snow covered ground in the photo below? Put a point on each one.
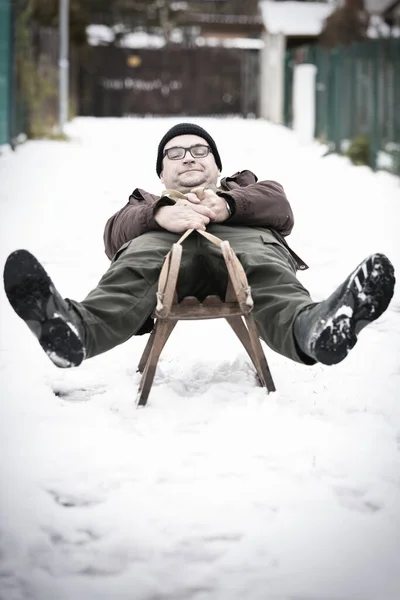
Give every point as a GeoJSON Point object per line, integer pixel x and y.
{"type": "Point", "coordinates": [215, 491]}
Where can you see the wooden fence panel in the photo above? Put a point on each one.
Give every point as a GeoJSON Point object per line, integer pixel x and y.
{"type": "Point", "coordinates": [189, 81]}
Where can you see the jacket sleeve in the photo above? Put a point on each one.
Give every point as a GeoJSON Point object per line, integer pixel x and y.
{"type": "Point", "coordinates": [258, 204]}
{"type": "Point", "coordinates": [134, 219]}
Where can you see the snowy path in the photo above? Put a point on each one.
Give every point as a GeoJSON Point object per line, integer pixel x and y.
{"type": "Point", "coordinates": [215, 491]}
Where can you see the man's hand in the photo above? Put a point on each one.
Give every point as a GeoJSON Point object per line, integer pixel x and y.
{"type": "Point", "coordinates": [201, 196]}
{"type": "Point", "coordinates": [184, 215]}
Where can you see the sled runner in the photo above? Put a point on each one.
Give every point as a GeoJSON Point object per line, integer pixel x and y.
{"type": "Point", "coordinates": [236, 310]}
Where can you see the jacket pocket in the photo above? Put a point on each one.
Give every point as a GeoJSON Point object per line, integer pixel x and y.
{"type": "Point", "coordinates": [269, 238]}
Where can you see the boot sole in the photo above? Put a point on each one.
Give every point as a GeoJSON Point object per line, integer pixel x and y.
{"type": "Point", "coordinates": [365, 297]}
{"type": "Point", "coordinates": [31, 293]}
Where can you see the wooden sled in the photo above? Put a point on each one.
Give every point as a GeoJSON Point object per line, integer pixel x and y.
{"type": "Point", "coordinates": [236, 310]}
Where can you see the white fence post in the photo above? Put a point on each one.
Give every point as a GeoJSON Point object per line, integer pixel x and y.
{"type": "Point", "coordinates": [304, 78]}
{"type": "Point", "coordinates": [272, 74]}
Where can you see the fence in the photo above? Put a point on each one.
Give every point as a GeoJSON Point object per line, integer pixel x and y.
{"type": "Point", "coordinates": [6, 70]}
{"type": "Point", "coordinates": [357, 96]}
{"type": "Point", "coordinates": [176, 80]}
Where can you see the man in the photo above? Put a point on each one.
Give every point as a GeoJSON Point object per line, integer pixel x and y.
{"type": "Point", "coordinates": [253, 216]}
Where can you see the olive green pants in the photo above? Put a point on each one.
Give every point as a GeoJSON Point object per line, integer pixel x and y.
{"type": "Point", "coordinates": [126, 295]}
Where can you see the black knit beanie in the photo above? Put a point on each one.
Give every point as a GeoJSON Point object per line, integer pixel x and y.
{"type": "Point", "coordinates": [185, 129]}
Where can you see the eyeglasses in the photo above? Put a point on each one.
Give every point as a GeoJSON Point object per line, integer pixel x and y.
{"type": "Point", "coordinates": [179, 152]}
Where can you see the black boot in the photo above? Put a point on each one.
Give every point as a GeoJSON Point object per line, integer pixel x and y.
{"type": "Point", "coordinates": [327, 331]}
{"type": "Point", "coordinates": [54, 322]}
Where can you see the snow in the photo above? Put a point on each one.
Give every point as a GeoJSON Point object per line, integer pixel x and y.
{"type": "Point", "coordinates": [346, 311]}
{"type": "Point", "coordinates": [101, 34]}
{"type": "Point", "coordinates": [215, 490]}
{"type": "Point", "coordinates": [242, 43]}
{"type": "Point", "coordinates": [295, 18]}
{"type": "Point", "coordinates": [379, 29]}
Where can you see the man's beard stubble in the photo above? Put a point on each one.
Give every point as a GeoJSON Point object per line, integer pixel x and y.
{"type": "Point", "coordinates": [200, 182]}
{"type": "Point", "coordinates": [192, 183]}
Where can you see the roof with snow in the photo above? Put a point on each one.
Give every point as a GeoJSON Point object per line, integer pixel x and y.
{"type": "Point", "coordinates": [378, 6]}
{"type": "Point", "coordinates": [295, 18]}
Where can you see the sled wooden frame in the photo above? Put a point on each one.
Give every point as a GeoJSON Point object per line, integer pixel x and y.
{"type": "Point", "coordinates": [236, 310]}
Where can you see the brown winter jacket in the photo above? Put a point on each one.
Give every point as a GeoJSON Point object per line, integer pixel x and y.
{"type": "Point", "coordinates": [253, 203]}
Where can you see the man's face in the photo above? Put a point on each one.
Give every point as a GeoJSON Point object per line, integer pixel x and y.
{"type": "Point", "coordinates": [185, 173]}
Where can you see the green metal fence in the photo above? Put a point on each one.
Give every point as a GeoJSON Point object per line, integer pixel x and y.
{"type": "Point", "coordinates": [357, 96]}
{"type": "Point", "coordinates": [12, 103]}
{"type": "Point", "coordinates": [5, 71]}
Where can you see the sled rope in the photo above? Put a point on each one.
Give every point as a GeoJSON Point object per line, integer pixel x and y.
{"type": "Point", "coordinates": [235, 309]}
